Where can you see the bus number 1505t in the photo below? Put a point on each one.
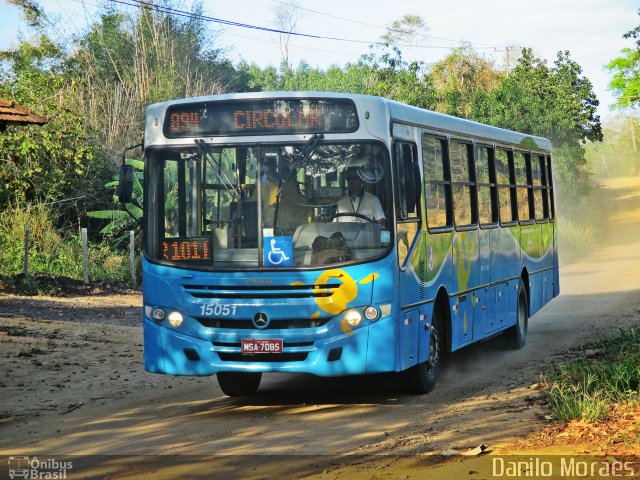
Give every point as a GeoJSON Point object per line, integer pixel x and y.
{"type": "Point", "coordinates": [217, 309]}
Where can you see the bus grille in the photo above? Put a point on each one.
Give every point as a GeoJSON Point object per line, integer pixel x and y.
{"type": "Point", "coordinates": [262, 291]}
{"type": "Point", "coordinates": [246, 324]}
{"type": "Point", "coordinates": [264, 357]}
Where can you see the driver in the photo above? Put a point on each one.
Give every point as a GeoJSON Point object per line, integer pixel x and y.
{"type": "Point", "coordinates": [358, 201]}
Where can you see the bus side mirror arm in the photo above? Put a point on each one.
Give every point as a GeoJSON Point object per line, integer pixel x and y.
{"type": "Point", "coordinates": [124, 191]}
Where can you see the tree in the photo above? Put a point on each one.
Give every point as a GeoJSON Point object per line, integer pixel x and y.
{"type": "Point", "coordinates": [458, 77]}
{"type": "Point", "coordinates": [557, 102]}
{"type": "Point", "coordinates": [130, 61]}
{"type": "Point", "coordinates": [616, 155]}
{"type": "Point", "coordinates": [634, 33]}
{"type": "Point", "coordinates": [94, 88]}
{"type": "Point", "coordinates": [405, 30]}
{"type": "Point", "coordinates": [625, 81]}
{"type": "Point", "coordinates": [287, 16]}
{"type": "Point", "coordinates": [55, 161]}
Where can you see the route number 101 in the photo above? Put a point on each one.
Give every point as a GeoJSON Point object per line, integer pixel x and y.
{"type": "Point", "coordinates": [217, 309]}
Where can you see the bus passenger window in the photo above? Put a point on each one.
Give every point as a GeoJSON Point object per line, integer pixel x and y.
{"type": "Point", "coordinates": [506, 187]}
{"type": "Point", "coordinates": [486, 184]}
{"type": "Point", "coordinates": [522, 188]}
{"type": "Point", "coordinates": [539, 195]}
{"type": "Point", "coordinates": [437, 182]}
{"type": "Point", "coordinates": [462, 183]}
{"type": "Point", "coordinates": [552, 209]}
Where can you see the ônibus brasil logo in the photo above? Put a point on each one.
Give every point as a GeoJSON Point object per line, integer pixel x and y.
{"type": "Point", "coordinates": [33, 468]}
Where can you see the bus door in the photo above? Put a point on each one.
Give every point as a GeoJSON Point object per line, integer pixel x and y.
{"type": "Point", "coordinates": [410, 249]}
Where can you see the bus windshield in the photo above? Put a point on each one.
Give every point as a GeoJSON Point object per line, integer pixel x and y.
{"type": "Point", "coordinates": [270, 205]}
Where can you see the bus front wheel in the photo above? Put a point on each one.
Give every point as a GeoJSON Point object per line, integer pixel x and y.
{"type": "Point", "coordinates": [517, 335]}
{"type": "Point", "coordinates": [239, 384]}
{"type": "Point", "coordinates": [421, 378]}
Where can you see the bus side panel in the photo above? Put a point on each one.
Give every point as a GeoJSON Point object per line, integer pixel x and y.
{"type": "Point", "coordinates": [409, 341]}
{"type": "Point", "coordinates": [530, 242]}
{"type": "Point", "coordinates": [465, 266]}
{"type": "Point", "coordinates": [556, 265]}
{"type": "Point", "coordinates": [505, 265]}
{"type": "Point", "coordinates": [483, 319]}
{"type": "Point", "coordinates": [546, 230]}
{"type": "Point", "coordinates": [439, 265]}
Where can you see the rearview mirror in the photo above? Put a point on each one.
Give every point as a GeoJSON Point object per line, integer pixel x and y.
{"type": "Point", "coordinates": [125, 184]}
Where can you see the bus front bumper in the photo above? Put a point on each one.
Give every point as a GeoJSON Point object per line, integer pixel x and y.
{"type": "Point", "coordinates": [368, 349]}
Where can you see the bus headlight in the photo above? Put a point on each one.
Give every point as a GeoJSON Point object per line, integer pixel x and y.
{"type": "Point", "coordinates": [353, 317]}
{"type": "Point", "coordinates": [158, 314]}
{"type": "Point", "coordinates": [175, 319]}
{"type": "Point", "coordinates": [371, 313]}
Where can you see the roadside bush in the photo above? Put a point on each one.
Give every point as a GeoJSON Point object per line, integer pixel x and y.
{"type": "Point", "coordinates": [51, 252]}
{"type": "Point", "coordinates": [609, 372]}
{"type": "Point", "coordinates": [579, 223]}
{"type": "Point", "coordinates": [576, 238]}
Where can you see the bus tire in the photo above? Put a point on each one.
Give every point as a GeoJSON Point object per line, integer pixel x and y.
{"type": "Point", "coordinates": [422, 378]}
{"type": "Point", "coordinates": [239, 384]}
{"type": "Point", "coordinates": [517, 335]}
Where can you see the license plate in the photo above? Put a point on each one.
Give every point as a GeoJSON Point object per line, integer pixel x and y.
{"type": "Point", "coordinates": [261, 345]}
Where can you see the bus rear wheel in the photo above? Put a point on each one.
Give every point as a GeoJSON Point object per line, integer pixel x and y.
{"type": "Point", "coordinates": [517, 335]}
{"type": "Point", "coordinates": [239, 384]}
{"type": "Point", "coordinates": [421, 378]}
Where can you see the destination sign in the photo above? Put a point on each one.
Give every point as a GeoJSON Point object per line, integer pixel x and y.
{"type": "Point", "coordinates": [260, 117]}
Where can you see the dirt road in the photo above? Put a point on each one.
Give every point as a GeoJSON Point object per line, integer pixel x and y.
{"type": "Point", "coordinates": [74, 383]}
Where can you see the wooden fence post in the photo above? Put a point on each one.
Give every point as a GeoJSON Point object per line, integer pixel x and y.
{"type": "Point", "coordinates": [132, 257]}
{"type": "Point", "coordinates": [27, 232]}
{"type": "Point", "coordinates": [85, 257]}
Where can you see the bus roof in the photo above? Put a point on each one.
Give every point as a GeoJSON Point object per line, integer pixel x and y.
{"type": "Point", "coordinates": [398, 112]}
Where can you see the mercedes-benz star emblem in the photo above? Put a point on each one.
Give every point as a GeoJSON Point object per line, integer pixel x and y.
{"type": "Point", "coordinates": [261, 321]}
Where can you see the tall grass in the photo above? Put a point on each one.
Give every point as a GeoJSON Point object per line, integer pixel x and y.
{"type": "Point", "coordinates": [587, 387]}
{"type": "Point", "coordinates": [579, 224]}
{"type": "Point", "coordinates": [51, 252]}
{"type": "Point", "coordinates": [576, 238]}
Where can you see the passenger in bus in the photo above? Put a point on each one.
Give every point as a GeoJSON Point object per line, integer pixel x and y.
{"type": "Point", "coordinates": [358, 201]}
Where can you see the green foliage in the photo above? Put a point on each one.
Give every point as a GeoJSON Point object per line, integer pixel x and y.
{"type": "Point", "coordinates": [625, 80]}
{"type": "Point", "coordinates": [458, 77]}
{"type": "Point", "coordinates": [555, 102]}
{"type": "Point", "coordinates": [380, 72]}
{"type": "Point", "coordinates": [50, 252]}
{"type": "Point", "coordinates": [405, 29]}
{"type": "Point", "coordinates": [625, 70]}
{"type": "Point", "coordinates": [43, 163]}
{"type": "Point", "coordinates": [608, 372]}
{"type": "Point", "coordinates": [616, 155]}
{"type": "Point", "coordinates": [122, 220]}
{"type": "Point", "coordinates": [94, 90]}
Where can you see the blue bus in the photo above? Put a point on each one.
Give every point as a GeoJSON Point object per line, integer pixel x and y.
{"type": "Point", "coordinates": [336, 234]}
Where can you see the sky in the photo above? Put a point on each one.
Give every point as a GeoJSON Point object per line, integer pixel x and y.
{"type": "Point", "coordinates": [590, 29]}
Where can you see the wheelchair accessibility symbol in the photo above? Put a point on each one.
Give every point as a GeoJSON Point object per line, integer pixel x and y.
{"type": "Point", "coordinates": [278, 251]}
